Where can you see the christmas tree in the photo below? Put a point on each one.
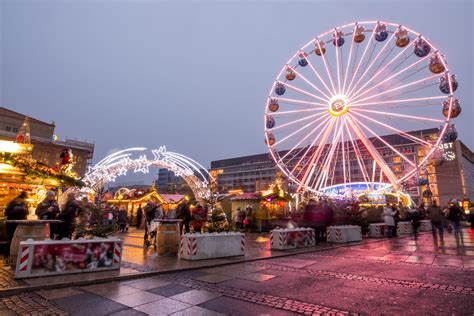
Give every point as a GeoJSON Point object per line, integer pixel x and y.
{"type": "Point", "coordinates": [217, 220]}
{"type": "Point", "coordinates": [93, 224]}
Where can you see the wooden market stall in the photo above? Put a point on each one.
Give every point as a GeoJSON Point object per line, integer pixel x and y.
{"type": "Point", "coordinates": [19, 172]}
{"type": "Point", "coordinates": [131, 200]}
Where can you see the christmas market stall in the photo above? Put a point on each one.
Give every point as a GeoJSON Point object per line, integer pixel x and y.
{"type": "Point", "coordinates": [274, 207]}
{"type": "Point", "coordinates": [132, 199]}
{"type": "Point", "coordinates": [20, 173]}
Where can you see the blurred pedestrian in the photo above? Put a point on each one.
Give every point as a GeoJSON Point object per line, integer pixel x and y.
{"type": "Point", "coordinates": [16, 210]}
{"type": "Point", "coordinates": [183, 213]}
{"type": "Point", "coordinates": [388, 214]}
{"type": "Point", "coordinates": [455, 216]}
{"type": "Point", "coordinates": [198, 218]}
{"type": "Point", "coordinates": [414, 216]}
{"type": "Point", "coordinates": [68, 217]}
{"type": "Point", "coordinates": [238, 218]}
{"type": "Point", "coordinates": [437, 221]}
{"type": "Point", "coordinates": [139, 216]}
{"type": "Point", "coordinates": [49, 209]}
{"type": "Point", "coordinates": [122, 219]}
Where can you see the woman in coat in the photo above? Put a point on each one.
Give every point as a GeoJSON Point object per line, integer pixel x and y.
{"type": "Point", "coordinates": [388, 214]}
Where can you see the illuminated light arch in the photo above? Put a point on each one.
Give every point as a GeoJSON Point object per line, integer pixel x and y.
{"type": "Point", "coordinates": [136, 159]}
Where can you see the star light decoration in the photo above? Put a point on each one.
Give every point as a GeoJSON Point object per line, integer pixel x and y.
{"type": "Point", "coordinates": [119, 163]}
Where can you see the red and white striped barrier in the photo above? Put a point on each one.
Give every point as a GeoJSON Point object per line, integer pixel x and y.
{"type": "Point", "coordinates": [378, 230]}
{"type": "Point", "coordinates": [53, 257]}
{"type": "Point", "coordinates": [404, 228]}
{"type": "Point", "coordinates": [290, 238]}
{"type": "Point", "coordinates": [214, 245]}
{"type": "Point", "coordinates": [425, 225]}
{"type": "Point", "coordinates": [344, 233]}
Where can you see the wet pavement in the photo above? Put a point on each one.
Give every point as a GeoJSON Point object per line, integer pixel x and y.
{"type": "Point", "coordinates": [387, 277]}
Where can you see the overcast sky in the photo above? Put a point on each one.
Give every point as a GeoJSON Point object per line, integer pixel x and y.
{"type": "Point", "coordinates": [192, 75]}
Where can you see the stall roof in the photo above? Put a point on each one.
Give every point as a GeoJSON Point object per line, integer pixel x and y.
{"type": "Point", "coordinates": [247, 196]}
{"type": "Point", "coordinates": [172, 198]}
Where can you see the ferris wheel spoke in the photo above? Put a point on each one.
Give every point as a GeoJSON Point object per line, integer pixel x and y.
{"type": "Point", "coordinates": [321, 132]}
{"type": "Point", "coordinates": [328, 70]}
{"type": "Point", "coordinates": [304, 92]}
{"type": "Point", "coordinates": [279, 113]}
{"type": "Point", "coordinates": [316, 155]}
{"type": "Point", "coordinates": [411, 117]}
{"type": "Point", "coordinates": [357, 154]}
{"type": "Point", "coordinates": [327, 117]}
{"type": "Point", "coordinates": [384, 142]}
{"type": "Point", "coordinates": [308, 82]}
{"type": "Point", "coordinates": [346, 73]}
{"type": "Point", "coordinates": [296, 101]}
{"type": "Point", "coordinates": [298, 130]}
{"type": "Point", "coordinates": [372, 78]}
{"type": "Point", "coordinates": [371, 64]}
{"type": "Point", "coordinates": [331, 158]}
{"type": "Point", "coordinates": [324, 169]}
{"type": "Point", "coordinates": [338, 67]}
{"type": "Point", "coordinates": [398, 101]}
{"type": "Point", "coordinates": [317, 74]}
{"type": "Point", "coordinates": [361, 59]}
{"type": "Point", "coordinates": [417, 82]}
{"type": "Point", "coordinates": [406, 135]}
{"type": "Point", "coordinates": [294, 122]}
{"type": "Point", "coordinates": [355, 95]}
{"type": "Point", "coordinates": [373, 151]}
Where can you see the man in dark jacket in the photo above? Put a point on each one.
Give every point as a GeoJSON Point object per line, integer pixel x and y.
{"type": "Point", "coordinates": [139, 217]}
{"type": "Point", "coordinates": [48, 209]}
{"type": "Point", "coordinates": [455, 216]}
{"type": "Point", "coordinates": [16, 210]}
{"type": "Point", "coordinates": [184, 214]}
{"type": "Point", "coordinates": [68, 216]}
{"type": "Point", "coordinates": [437, 220]}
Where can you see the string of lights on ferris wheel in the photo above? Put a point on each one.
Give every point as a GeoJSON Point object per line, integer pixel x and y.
{"type": "Point", "coordinates": [119, 163]}
{"type": "Point", "coordinates": [325, 109]}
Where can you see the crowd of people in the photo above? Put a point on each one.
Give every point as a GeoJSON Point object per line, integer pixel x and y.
{"type": "Point", "coordinates": [76, 216]}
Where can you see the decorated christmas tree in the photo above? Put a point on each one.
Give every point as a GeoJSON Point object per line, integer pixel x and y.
{"type": "Point", "coordinates": [94, 223]}
{"type": "Point", "coordinates": [217, 219]}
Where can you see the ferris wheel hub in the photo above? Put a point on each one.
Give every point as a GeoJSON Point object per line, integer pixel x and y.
{"type": "Point", "coordinates": [338, 105]}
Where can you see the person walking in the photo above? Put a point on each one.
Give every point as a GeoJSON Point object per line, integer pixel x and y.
{"type": "Point", "coordinates": [239, 218]}
{"type": "Point", "coordinates": [183, 213]}
{"type": "Point", "coordinates": [139, 216]}
{"type": "Point", "coordinates": [388, 214]}
{"type": "Point", "coordinates": [150, 208]}
{"type": "Point", "coordinates": [437, 221]}
{"type": "Point", "coordinates": [122, 219]}
{"type": "Point", "coordinates": [17, 209]}
{"type": "Point", "coordinates": [455, 216]}
{"type": "Point", "coordinates": [68, 216]}
{"type": "Point", "coordinates": [415, 216]}
{"type": "Point", "coordinates": [248, 219]}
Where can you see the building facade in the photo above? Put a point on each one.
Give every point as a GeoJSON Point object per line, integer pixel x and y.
{"type": "Point", "coordinates": [45, 148]}
{"type": "Point", "coordinates": [167, 182]}
{"type": "Point", "coordinates": [450, 173]}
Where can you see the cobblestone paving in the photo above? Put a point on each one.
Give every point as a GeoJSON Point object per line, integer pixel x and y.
{"type": "Point", "coordinates": [257, 298]}
{"type": "Point", "coordinates": [6, 278]}
{"type": "Point", "coordinates": [389, 262]}
{"type": "Point", "coordinates": [387, 281]}
{"type": "Point", "coordinates": [28, 304]}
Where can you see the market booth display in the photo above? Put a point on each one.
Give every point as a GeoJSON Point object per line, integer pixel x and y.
{"type": "Point", "coordinates": [268, 206]}
{"type": "Point", "coordinates": [132, 199]}
{"type": "Point", "coordinates": [53, 257]}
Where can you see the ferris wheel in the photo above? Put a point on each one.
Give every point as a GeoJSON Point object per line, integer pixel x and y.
{"type": "Point", "coordinates": [334, 102]}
